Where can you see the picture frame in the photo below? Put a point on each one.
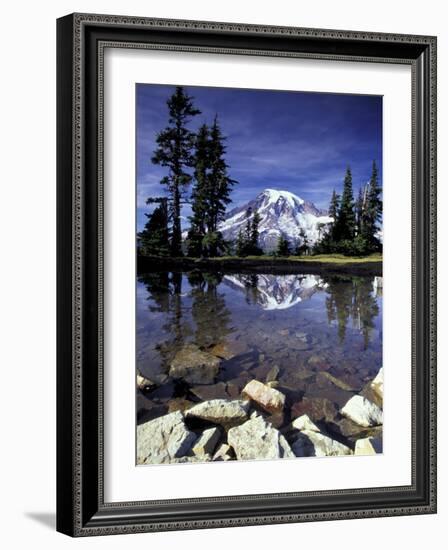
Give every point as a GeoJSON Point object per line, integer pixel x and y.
{"type": "Point", "coordinates": [81, 507]}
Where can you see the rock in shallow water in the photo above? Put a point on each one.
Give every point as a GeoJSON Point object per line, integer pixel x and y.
{"type": "Point", "coordinates": [257, 439]}
{"type": "Point", "coordinates": [220, 411]}
{"type": "Point", "coordinates": [269, 398]}
{"type": "Point", "coordinates": [363, 412]}
{"type": "Point", "coordinates": [163, 439]}
{"type": "Point", "coordinates": [317, 408]}
{"type": "Point", "coordinates": [194, 365]}
{"type": "Point", "coordinates": [143, 383]}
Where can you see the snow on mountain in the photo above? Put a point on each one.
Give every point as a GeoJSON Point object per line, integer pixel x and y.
{"type": "Point", "coordinates": [274, 292]}
{"type": "Point", "coordinates": [281, 213]}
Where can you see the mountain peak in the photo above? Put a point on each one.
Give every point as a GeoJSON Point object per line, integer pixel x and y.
{"type": "Point", "coordinates": [281, 213]}
{"type": "Point", "coordinates": [274, 195]}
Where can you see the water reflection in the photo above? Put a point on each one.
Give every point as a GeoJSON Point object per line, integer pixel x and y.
{"type": "Point", "coordinates": [209, 312]}
{"type": "Point", "coordinates": [299, 327]}
{"type": "Point", "coordinates": [201, 307]}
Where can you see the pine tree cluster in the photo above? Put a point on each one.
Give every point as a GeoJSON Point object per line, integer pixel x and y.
{"type": "Point", "coordinates": [354, 231]}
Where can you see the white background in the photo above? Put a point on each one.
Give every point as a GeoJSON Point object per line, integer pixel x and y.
{"type": "Point", "coordinates": [27, 229]}
{"type": "Point", "coordinates": [125, 482]}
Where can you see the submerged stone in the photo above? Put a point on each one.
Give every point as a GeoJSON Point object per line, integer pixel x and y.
{"type": "Point", "coordinates": [194, 365]}
{"type": "Point", "coordinates": [317, 408]}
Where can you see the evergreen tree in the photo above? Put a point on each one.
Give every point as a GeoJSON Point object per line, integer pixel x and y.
{"type": "Point", "coordinates": [199, 207]}
{"type": "Point", "coordinates": [359, 210]}
{"type": "Point", "coordinates": [211, 191]}
{"type": "Point", "coordinates": [218, 189]}
{"type": "Point", "coordinates": [302, 245]}
{"type": "Point", "coordinates": [174, 145]}
{"type": "Point", "coordinates": [240, 244]}
{"type": "Point", "coordinates": [333, 209]}
{"type": "Point", "coordinates": [255, 250]}
{"type": "Point", "coordinates": [283, 248]}
{"type": "Point", "coordinates": [344, 228]}
{"type": "Point", "coordinates": [154, 239]}
{"type": "Point", "coordinates": [372, 211]}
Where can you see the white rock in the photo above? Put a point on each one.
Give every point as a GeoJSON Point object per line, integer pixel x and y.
{"type": "Point", "coordinates": [368, 446]}
{"type": "Point", "coordinates": [377, 383]}
{"type": "Point", "coordinates": [206, 442]}
{"type": "Point", "coordinates": [257, 439]}
{"type": "Point", "coordinates": [305, 423]}
{"type": "Point", "coordinates": [224, 453]}
{"type": "Point", "coordinates": [144, 383]}
{"type": "Point", "coordinates": [267, 397]}
{"type": "Point", "coordinates": [220, 411]}
{"type": "Point", "coordinates": [190, 459]}
{"type": "Point", "coordinates": [363, 412]}
{"type": "Point", "coordinates": [163, 439]}
{"type": "Point", "coordinates": [311, 443]}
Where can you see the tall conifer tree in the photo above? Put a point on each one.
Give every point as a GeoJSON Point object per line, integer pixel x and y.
{"type": "Point", "coordinates": [174, 151]}
{"type": "Point", "coordinates": [345, 225]}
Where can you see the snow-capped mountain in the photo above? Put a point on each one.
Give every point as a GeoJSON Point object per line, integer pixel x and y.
{"type": "Point", "coordinates": [277, 292]}
{"type": "Point", "coordinates": [281, 213]}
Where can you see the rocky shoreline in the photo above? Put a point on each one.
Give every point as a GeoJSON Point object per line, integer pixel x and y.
{"type": "Point", "coordinates": [263, 420]}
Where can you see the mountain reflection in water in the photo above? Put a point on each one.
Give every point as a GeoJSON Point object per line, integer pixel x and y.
{"type": "Point", "coordinates": [299, 325]}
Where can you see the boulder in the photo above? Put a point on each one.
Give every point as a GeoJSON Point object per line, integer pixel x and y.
{"type": "Point", "coordinates": [224, 453]}
{"type": "Point", "coordinates": [369, 446]}
{"type": "Point", "coordinates": [257, 439]}
{"type": "Point", "coordinates": [220, 411]}
{"type": "Point", "coordinates": [305, 423]}
{"type": "Point", "coordinates": [312, 443]}
{"type": "Point", "coordinates": [206, 442]}
{"type": "Point", "coordinates": [161, 440]}
{"type": "Point", "coordinates": [194, 365]}
{"type": "Point", "coordinates": [363, 412]}
{"type": "Point", "coordinates": [270, 399]}
{"type": "Point", "coordinates": [377, 383]}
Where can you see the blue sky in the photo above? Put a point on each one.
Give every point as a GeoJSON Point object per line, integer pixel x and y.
{"type": "Point", "coordinates": [296, 141]}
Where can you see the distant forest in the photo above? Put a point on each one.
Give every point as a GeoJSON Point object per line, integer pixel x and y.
{"type": "Point", "coordinates": [198, 174]}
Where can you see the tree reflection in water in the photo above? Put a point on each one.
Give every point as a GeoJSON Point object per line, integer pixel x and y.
{"type": "Point", "coordinates": [209, 312]}
{"type": "Point", "coordinates": [352, 298]}
{"type": "Point", "coordinates": [201, 314]}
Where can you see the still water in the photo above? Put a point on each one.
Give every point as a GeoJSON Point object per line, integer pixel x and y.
{"type": "Point", "coordinates": [290, 328]}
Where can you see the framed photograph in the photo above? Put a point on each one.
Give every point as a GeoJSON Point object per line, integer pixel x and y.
{"type": "Point", "coordinates": [246, 274]}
